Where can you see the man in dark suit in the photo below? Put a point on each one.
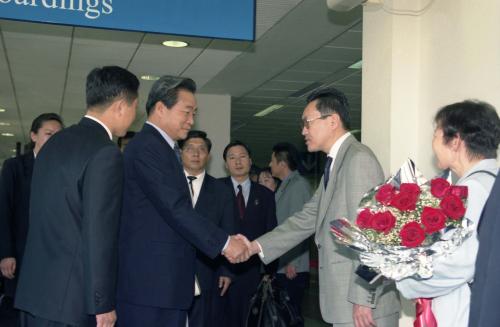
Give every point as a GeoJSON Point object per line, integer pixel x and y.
{"type": "Point", "coordinates": [68, 276]}
{"type": "Point", "coordinates": [256, 215]}
{"type": "Point", "coordinates": [160, 231]}
{"type": "Point", "coordinates": [15, 185]}
{"type": "Point", "coordinates": [486, 286]}
{"type": "Point", "coordinates": [214, 200]}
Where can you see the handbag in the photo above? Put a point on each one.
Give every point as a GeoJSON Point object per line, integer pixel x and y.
{"type": "Point", "coordinates": [271, 307]}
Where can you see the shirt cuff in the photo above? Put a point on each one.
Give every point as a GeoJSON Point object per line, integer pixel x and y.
{"type": "Point", "coordinates": [261, 252]}
{"type": "Point", "coordinates": [225, 245]}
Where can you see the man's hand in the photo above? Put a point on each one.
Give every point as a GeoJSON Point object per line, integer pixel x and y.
{"type": "Point", "coordinates": [237, 250]}
{"type": "Point", "coordinates": [8, 267]}
{"type": "Point", "coordinates": [224, 283]}
{"type": "Point", "coordinates": [291, 271]}
{"type": "Point", "coordinates": [254, 248]}
{"type": "Point", "coordinates": [107, 319]}
{"type": "Point", "coordinates": [362, 316]}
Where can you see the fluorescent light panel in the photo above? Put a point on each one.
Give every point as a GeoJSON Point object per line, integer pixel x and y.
{"type": "Point", "coordinates": [149, 78]}
{"type": "Point", "coordinates": [175, 44]}
{"type": "Point", "coordinates": [268, 110]}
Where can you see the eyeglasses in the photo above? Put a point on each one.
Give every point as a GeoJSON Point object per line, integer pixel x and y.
{"type": "Point", "coordinates": [306, 123]}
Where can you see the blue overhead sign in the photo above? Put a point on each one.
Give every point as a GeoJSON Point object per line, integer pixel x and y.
{"type": "Point", "coordinates": [228, 19]}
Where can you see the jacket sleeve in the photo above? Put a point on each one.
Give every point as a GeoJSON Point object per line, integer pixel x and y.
{"type": "Point", "coordinates": [101, 189]}
{"type": "Point", "coordinates": [156, 176]}
{"type": "Point", "coordinates": [228, 224]}
{"type": "Point", "coordinates": [271, 222]}
{"type": "Point", "coordinates": [291, 232]}
{"type": "Point", "coordinates": [7, 189]}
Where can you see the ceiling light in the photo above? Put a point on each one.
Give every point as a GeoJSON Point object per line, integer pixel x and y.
{"type": "Point", "coordinates": [4, 124]}
{"type": "Point", "coordinates": [175, 44]}
{"type": "Point", "coordinates": [268, 110]}
{"type": "Point", "coordinates": [2, 110]}
{"type": "Point", "coordinates": [7, 134]}
{"type": "Point", "coordinates": [357, 65]}
{"type": "Point", "coordinates": [149, 78]}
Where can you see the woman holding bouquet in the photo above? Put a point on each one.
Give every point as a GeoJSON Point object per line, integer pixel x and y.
{"type": "Point", "coordinates": [465, 141]}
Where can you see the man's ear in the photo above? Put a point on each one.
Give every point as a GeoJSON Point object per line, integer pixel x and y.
{"type": "Point", "coordinates": [33, 137]}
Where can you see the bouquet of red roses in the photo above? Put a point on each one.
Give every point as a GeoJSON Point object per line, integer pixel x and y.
{"type": "Point", "coordinates": [400, 224]}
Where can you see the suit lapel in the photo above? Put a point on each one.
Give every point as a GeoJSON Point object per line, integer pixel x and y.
{"type": "Point", "coordinates": [328, 194]}
{"type": "Point", "coordinates": [205, 198]}
{"type": "Point", "coordinates": [252, 200]}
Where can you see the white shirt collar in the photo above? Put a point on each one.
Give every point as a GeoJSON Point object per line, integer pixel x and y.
{"type": "Point", "coordinates": [167, 138]}
{"type": "Point", "coordinates": [102, 124]}
{"type": "Point", "coordinates": [336, 146]}
{"type": "Point", "coordinates": [197, 183]}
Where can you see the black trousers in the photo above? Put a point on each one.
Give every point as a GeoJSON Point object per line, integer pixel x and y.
{"type": "Point", "coordinates": [9, 317]}
{"type": "Point", "coordinates": [208, 309]}
{"type": "Point", "coordinates": [131, 315]}
{"type": "Point", "coordinates": [295, 288]}
{"type": "Point", "coordinates": [29, 320]}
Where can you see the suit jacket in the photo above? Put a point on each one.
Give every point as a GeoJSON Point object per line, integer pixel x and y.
{"type": "Point", "coordinates": [484, 291]}
{"type": "Point", "coordinates": [259, 218]}
{"type": "Point", "coordinates": [69, 266]}
{"type": "Point", "coordinates": [216, 203]}
{"type": "Point", "coordinates": [355, 171]}
{"type": "Point", "coordinates": [15, 184]}
{"type": "Point", "coordinates": [290, 197]}
{"type": "Point", "coordinates": [160, 230]}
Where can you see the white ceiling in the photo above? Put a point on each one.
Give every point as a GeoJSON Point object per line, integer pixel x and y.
{"type": "Point", "coordinates": [299, 42]}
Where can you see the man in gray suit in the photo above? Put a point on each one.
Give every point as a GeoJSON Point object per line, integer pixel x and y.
{"type": "Point", "coordinates": [293, 192]}
{"type": "Point", "coordinates": [351, 169]}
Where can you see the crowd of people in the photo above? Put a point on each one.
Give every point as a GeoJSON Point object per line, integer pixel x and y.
{"type": "Point", "coordinates": [92, 234]}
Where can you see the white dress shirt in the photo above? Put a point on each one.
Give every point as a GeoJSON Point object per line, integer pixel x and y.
{"type": "Point", "coordinates": [197, 183]}
{"type": "Point", "coordinates": [102, 124]}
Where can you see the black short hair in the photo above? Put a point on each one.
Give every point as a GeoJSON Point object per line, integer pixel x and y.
{"type": "Point", "coordinates": [166, 90]}
{"type": "Point", "coordinates": [233, 144]}
{"type": "Point", "coordinates": [476, 123]}
{"type": "Point", "coordinates": [329, 101]}
{"type": "Point", "coordinates": [106, 84]}
{"type": "Point", "coordinates": [195, 134]}
{"type": "Point", "coordinates": [38, 121]}
{"type": "Point", "coordinates": [287, 153]}
{"type": "Point", "coordinates": [128, 136]}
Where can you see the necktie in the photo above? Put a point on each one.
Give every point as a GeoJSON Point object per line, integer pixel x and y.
{"type": "Point", "coordinates": [326, 175]}
{"type": "Point", "coordinates": [177, 152]}
{"type": "Point", "coordinates": [191, 179]}
{"type": "Point", "coordinates": [241, 202]}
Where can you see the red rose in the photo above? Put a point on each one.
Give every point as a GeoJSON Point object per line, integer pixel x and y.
{"type": "Point", "coordinates": [452, 206]}
{"type": "Point", "coordinates": [364, 219]}
{"type": "Point", "coordinates": [458, 190]}
{"type": "Point", "coordinates": [410, 188]}
{"type": "Point", "coordinates": [433, 219]}
{"type": "Point", "coordinates": [439, 187]}
{"type": "Point", "coordinates": [404, 201]}
{"type": "Point", "coordinates": [383, 221]}
{"type": "Point", "coordinates": [385, 194]}
{"type": "Point", "coordinates": [412, 235]}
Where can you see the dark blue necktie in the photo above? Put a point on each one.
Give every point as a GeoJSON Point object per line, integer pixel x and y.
{"type": "Point", "coordinates": [177, 153]}
{"type": "Point", "coordinates": [326, 175]}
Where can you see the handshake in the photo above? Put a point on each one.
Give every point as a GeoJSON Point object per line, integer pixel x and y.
{"type": "Point", "coordinates": [240, 249]}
